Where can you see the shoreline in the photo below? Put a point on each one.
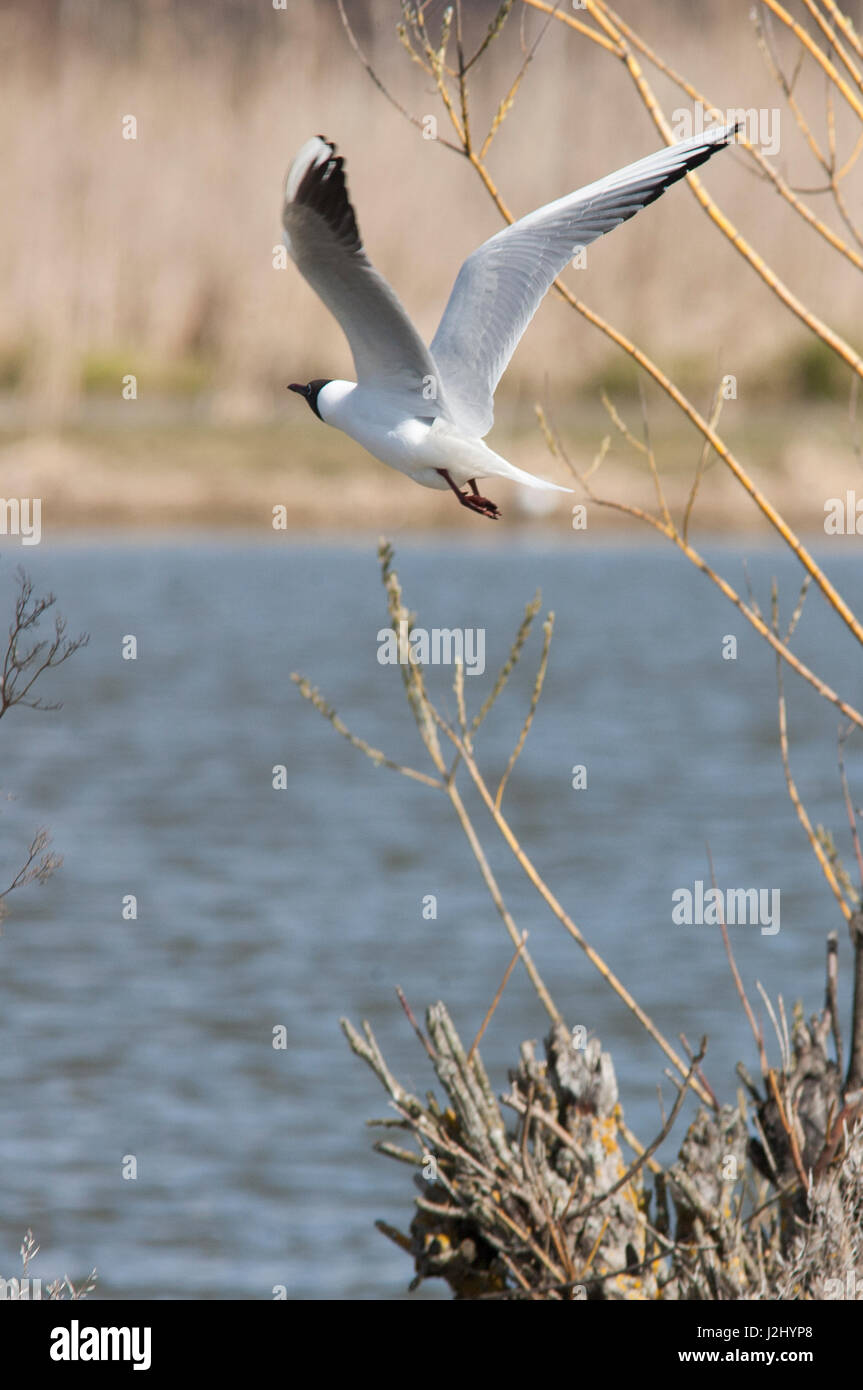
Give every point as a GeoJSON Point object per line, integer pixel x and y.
{"type": "Point", "coordinates": [271, 478]}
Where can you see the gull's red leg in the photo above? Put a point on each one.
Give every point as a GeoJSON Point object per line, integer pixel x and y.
{"type": "Point", "coordinates": [472, 500]}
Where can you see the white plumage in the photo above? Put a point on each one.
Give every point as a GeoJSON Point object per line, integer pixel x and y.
{"type": "Point", "coordinates": [425, 410]}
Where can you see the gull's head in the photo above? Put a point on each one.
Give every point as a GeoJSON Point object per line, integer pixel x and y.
{"type": "Point", "coordinates": [311, 391]}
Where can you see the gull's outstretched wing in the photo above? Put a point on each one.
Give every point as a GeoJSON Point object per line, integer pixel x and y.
{"type": "Point", "coordinates": [500, 286]}
{"type": "Point", "coordinates": [322, 237]}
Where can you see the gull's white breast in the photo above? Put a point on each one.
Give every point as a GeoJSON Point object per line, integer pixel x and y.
{"type": "Point", "coordinates": [414, 445]}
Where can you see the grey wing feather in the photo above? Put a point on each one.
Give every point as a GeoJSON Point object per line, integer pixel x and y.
{"type": "Point", "coordinates": [322, 237]}
{"type": "Point", "coordinates": [501, 285]}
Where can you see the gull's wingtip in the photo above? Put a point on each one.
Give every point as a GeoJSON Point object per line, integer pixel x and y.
{"type": "Point", "coordinates": [712, 138]}
{"type": "Point", "coordinates": [724, 134]}
{"type": "Point", "coordinates": [316, 150]}
{"type": "Point", "coordinates": [316, 182]}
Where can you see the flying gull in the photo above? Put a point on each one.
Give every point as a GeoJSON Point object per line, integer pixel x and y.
{"type": "Point", "coordinates": [426, 410]}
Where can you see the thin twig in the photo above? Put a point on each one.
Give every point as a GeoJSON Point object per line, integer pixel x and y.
{"type": "Point", "coordinates": [548, 628]}
{"type": "Point", "coordinates": [497, 998]}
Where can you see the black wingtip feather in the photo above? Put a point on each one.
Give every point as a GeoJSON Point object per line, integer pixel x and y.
{"type": "Point", "coordinates": [697, 158]}
{"type": "Point", "coordinates": [323, 188]}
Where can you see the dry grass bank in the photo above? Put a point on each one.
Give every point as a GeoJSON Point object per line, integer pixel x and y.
{"type": "Point", "coordinates": [180, 475]}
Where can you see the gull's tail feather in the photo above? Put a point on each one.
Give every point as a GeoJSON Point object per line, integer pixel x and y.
{"type": "Point", "coordinates": [503, 469]}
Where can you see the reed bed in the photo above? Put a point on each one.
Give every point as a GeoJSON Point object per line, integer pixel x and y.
{"type": "Point", "coordinates": [155, 255]}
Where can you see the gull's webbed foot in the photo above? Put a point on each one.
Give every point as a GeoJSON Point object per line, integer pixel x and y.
{"type": "Point", "coordinates": [473, 500]}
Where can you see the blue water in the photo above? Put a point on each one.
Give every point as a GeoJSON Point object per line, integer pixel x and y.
{"type": "Point", "coordinates": [258, 907]}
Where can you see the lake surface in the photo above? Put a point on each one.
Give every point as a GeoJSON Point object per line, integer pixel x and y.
{"type": "Point", "coordinates": [260, 907]}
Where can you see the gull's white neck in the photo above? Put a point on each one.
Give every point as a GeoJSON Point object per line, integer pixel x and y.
{"type": "Point", "coordinates": [333, 401]}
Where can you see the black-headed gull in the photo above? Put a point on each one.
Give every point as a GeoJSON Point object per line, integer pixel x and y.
{"type": "Point", "coordinates": [425, 410]}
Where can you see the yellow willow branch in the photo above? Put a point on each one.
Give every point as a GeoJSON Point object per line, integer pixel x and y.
{"type": "Point", "coordinates": [557, 13]}
{"type": "Point", "coordinates": [794, 795]}
{"type": "Point", "coordinates": [310, 693]}
{"type": "Point", "coordinates": [791, 540]}
{"type": "Point", "coordinates": [832, 595]}
{"type": "Point", "coordinates": [788, 92]}
{"type": "Point", "coordinates": [490, 1011]}
{"type": "Point", "coordinates": [776, 520]}
{"type": "Point", "coordinates": [831, 38]}
{"type": "Point", "coordinates": [727, 590]}
{"type": "Point", "coordinates": [801, 208]}
{"type": "Point", "coordinates": [844, 23]}
{"type": "Point", "coordinates": [738, 241]}
{"type": "Point", "coordinates": [562, 916]}
{"type": "Point", "coordinates": [804, 211]}
{"type": "Point", "coordinates": [491, 884]}
{"type": "Point", "coordinates": [548, 628]}
{"type": "Point", "coordinates": [812, 49]}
